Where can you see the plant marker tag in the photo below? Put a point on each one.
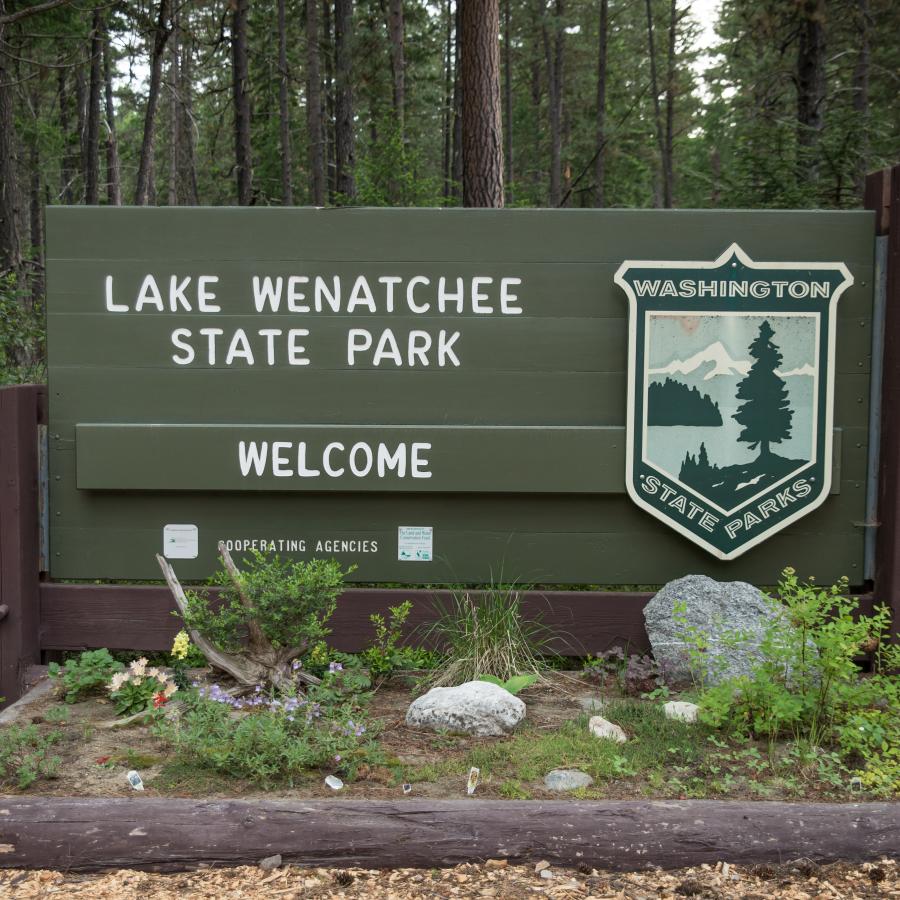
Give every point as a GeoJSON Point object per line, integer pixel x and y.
{"type": "Point", "coordinates": [407, 788]}
{"type": "Point", "coordinates": [473, 780]}
{"type": "Point", "coordinates": [334, 782]}
{"type": "Point", "coordinates": [135, 780]}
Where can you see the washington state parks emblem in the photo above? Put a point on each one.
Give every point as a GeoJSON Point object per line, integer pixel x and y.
{"type": "Point", "coordinates": [730, 393]}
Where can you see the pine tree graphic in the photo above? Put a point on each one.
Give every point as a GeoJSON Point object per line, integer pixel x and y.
{"type": "Point", "coordinates": [765, 413]}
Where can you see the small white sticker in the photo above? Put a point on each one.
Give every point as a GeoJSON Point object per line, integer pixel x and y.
{"type": "Point", "coordinates": [414, 543]}
{"type": "Point", "coordinates": [180, 541]}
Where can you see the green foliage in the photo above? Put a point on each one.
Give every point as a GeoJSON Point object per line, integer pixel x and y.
{"type": "Point", "coordinates": [277, 739]}
{"type": "Point", "coordinates": [514, 685]}
{"type": "Point", "coordinates": [486, 633]}
{"type": "Point", "coordinates": [22, 333]}
{"type": "Point", "coordinates": [290, 601]}
{"type": "Point", "coordinates": [383, 656]}
{"type": "Point", "coordinates": [87, 674]}
{"type": "Point", "coordinates": [807, 685]}
{"type": "Point", "coordinates": [25, 755]}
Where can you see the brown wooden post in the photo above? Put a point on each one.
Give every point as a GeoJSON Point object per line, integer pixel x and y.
{"type": "Point", "coordinates": [20, 410]}
{"type": "Point", "coordinates": [883, 196]}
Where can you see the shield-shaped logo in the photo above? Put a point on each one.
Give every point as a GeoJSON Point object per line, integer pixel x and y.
{"type": "Point", "coordinates": [730, 391]}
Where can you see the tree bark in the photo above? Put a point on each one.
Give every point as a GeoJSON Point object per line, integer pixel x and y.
{"type": "Point", "coordinates": [507, 99]}
{"type": "Point", "coordinates": [142, 190]}
{"type": "Point", "coordinates": [10, 246]}
{"type": "Point", "coordinates": [657, 112]}
{"type": "Point", "coordinates": [861, 97]}
{"type": "Point", "coordinates": [398, 61]}
{"type": "Point", "coordinates": [553, 57]}
{"type": "Point", "coordinates": [810, 89]}
{"type": "Point", "coordinates": [456, 157]}
{"type": "Point", "coordinates": [602, 52]}
{"type": "Point", "coordinates": [81, 95]}
{"type": "Point", "coordinates": [284, 110]}
{"type": "Point", "coordinates": [669, 154]}
{"type": "Point", "coordinates": [447, 116]}
{"type": "Point", "coordinates": [314, 106]}
{"type": "Point", "coordinates": [328, 100]}
{"type": "Point", "coordinates": [187, 157]}
{"type": "Point", "coordinates": [65, 169]}
{"type": "Point", "coordinates": [113, 176]}
{"type": "Point", "coordinates": [92, 132]}
{"type": "Point", "coordinates": [344, 141]}
{"type": "Point", "coordinates": [482, 132]}
{"type": "Point", "coordinates": [240, 80]}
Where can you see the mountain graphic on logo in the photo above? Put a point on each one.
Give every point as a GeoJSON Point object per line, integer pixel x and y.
{"type": "Point", "coordinates": [715, 353]}
{"type": "Point", "coordinates": [805, 369]}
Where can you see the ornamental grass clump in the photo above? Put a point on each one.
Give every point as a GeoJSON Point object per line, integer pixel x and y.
{"type": "Point", "coordinates": [486, 633]}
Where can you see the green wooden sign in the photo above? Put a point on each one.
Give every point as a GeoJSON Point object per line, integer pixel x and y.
{"type": "Point", "coordinates": [443, 395]}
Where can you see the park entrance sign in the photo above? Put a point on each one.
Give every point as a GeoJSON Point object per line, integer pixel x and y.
{"type": "Point", "coordinates": [730, 393]}
{"type": "Point", "coordinates": [459, 395]}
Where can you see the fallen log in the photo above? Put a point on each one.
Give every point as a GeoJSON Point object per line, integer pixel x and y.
{"type": "Point", "coordinates": [176, 834]}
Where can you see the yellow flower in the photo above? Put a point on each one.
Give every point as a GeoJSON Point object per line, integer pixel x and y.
{"type": "Point", "coordinates": [181, 645]}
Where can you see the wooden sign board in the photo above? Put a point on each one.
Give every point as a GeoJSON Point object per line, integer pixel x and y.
{"type": "Point", "coordinates": [434, 395]}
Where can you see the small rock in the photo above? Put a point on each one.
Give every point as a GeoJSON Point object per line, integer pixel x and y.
{"type": "Point", "coordinates": [497, 863]}
{"type": "Point", "coordinates": [567, 780]}
{"type": "Point", "coordinates": [546, 873]}
{"type": "Point", "coordinates": [478, 708]}
{"type": "Point", "coordinates": [543, 864]}
{"type": "Point", "coordinates": [681, 710]}
{"type": "Point", "coordinates": [601, 728]}
{"type": "Point", "coordinates": [270, 862]}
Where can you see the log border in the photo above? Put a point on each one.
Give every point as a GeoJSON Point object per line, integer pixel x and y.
{"type": "Point", "coordinates": [156, 834]}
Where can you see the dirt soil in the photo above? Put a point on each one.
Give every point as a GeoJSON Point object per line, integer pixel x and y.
{"type": "Point", "coordinates": [797, 880]}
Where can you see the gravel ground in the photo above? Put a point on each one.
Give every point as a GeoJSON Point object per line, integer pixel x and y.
{"type": "Point", "coordinates": [797, 880]}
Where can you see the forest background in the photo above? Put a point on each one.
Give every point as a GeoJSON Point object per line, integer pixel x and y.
{"type": "Point", "coordinates": [601, 103]}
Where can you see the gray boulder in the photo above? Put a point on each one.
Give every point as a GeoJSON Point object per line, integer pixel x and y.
{"type": "Point", "coordinates": [731, 615]}
{"type": "Point", "coordinates": [567, 780]}
{"type": "Point", "coordinates": [478, 708]}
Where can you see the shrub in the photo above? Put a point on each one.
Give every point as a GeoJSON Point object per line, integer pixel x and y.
{"type": "Point", "coordinates": [25, 755]}
{"type": "Point", "coordinates": [485, 633]}
{"type": "Point", "coordinates": [88, 674]}
{"type": "Point", "coordinates": [383, 657]}
{"type": "Point", "coordinates": [808, 686]}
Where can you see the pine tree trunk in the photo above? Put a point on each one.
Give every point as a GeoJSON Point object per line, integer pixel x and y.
{"type": "Point", "coordinates": [668, 155]}
{"type": "Point", "coordinates": [482, 132]}
{"type": "Point", "coordinates": [553, 57]}
{"type": "Point", "coordinates": [861, 96]}
{"type": "Point", "coordinates": [92, 131]}
{"type": "Point", "coordinates": [507, 99]}
{"type": "Point", "coordinates": [344, 142]}
{"type": "Point", "coordinates": [185, 92]}
{"type": "Point", "coordinates": [600, 160]}
{"type": "Point", "coordinates": [174, 111]}
{"type": "Point", "coordinates": [143, 190]}
{"type": "Point", "coordinates": [448, 113]}
{"type": "Point", "coordinates": [284, 110]}
{"type": "Point", "coordinates": [657, 112]}
{"type": "Point", "coordinates": [314, 106]}
{"type": "Point", "coordinates": [329, 116]}
{"type": "Point", "coordinates": [10, 247]}
{"type": "Point", "coordinates": [456, 160]}
{"type": "Point", "coordinates": [398, 61]}
{"type": "Point", "coordinates": [113, 177]}
{"type": "Point", "coordinates": [810, 89]}
{"type": "Point", "coordinates": [240, 80]}
{"type": "Point", "coordinates": [36, 209]}
{"type": "Point", "coordinates": [66, 171]}
{"type": "Point", "coordinates": [81, 95]}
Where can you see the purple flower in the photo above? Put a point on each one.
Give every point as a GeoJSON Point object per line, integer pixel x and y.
{"type": "Point", "coordinates": [335, 667]}
{"type": "Point", "coordinates": [296, 664]}
{"type": "Point", "coordinates": [337, 757]}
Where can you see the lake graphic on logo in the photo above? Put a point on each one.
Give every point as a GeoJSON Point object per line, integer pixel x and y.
{"type": "Point", "coordinates": [730, 393]}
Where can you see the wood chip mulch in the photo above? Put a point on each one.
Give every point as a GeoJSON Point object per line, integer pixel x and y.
{"type": "Point", "coordinates": [796, 880]}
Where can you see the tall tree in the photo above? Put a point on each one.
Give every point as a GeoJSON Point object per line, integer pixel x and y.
{"type": "Point", "coordinates": [240, 84]}
{"type": "Point", "coordinates": [482, 133]}
{"type": "Point", "coordinates": [669, 146]}
{"type": "Point", "coordinates": [657, 112]}
{"type": "Point", "coordinates": [397, 37]}
{"type": "Point", "coordinates": [10, 246]}
{"type": "Point", "coordinates": [344, 137]}
{"type": "Point", "coordinates": [602, 68]}
{"type": "Point", "coordinates": [92, 129]}
{"type": "Point", "coordinates": [314, 127]}
{"type": "Point", "coordinates": [113, 175]}
{"type": "Point", "coordinates": [810, 87]}
{"type": "Point", "coordinates": [861, 94]}
{"type": "Point", "coordinates": [284, 110]}
{"type": "Point", "coordinates": [507, 98]}
{"type": "Point", "coordinates": [142, 191]}
{"type": "Point", "coordinates": [554, 46]}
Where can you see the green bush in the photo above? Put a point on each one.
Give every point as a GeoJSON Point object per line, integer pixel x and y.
{"type": "Point", "coordinates": [383, 657]}
{"type": "Point", "coordinates": [25, 755]}
{"type": "Point", "coordinates": [88, 674]}
{"type": "Point", "coordinates": [274, 739]}
{"type": "Point", "coordinates": [808, 686]}
{"type": "Point", "coordinates": [290, 602]}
